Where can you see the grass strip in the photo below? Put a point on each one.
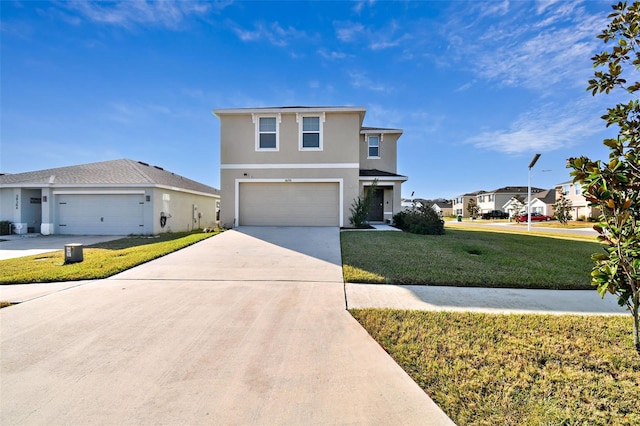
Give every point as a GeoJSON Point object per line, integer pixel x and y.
{"type": "Point", "coordinates": [101, 260]}
{"type": "Point", "coordinates": [484, 369]}
{"type": "Point", "coordinates": [467, 259]}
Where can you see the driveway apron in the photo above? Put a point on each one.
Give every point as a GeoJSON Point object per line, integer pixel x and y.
{"type": "Point", "coordinates": [247, 327]}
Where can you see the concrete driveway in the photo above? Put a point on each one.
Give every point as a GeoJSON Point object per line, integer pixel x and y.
{"type": "Point", "coordinates": [247, 327]}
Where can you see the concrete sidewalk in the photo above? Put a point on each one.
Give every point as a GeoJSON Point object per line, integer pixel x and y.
{"type": "Point", "coordinates": [248, 327]}
{"type": "Point", "coordinates": [487, 300]}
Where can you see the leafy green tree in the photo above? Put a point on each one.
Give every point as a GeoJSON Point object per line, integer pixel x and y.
{"type": "Point", "coordinates": [361, 206]}
{"type": "Point", "coordinates": [472, 208]}
{"type": "Point", "coordinates": [563, 208]}
{"type": "Point", "coordinates": [614, 185]}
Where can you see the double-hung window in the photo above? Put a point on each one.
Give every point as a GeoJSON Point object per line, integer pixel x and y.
{"type": "Point", "coordinates": [310, 132]}
{"type": "Point", "coordinates": [267, 129]}
{"type": "Point", "coordinates": [374, 146]}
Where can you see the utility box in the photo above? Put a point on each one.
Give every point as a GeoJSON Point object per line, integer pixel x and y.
{"type": "Point", "coordinates": [73, 253]}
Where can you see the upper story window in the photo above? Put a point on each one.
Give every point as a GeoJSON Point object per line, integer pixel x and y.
{"type": "Point", "coordinates": [491, 197]}
{"type": "Point", "coordinates": [374, 146]}
{"type": "Point", "coordinates": [310, 129]}
{"type": "Point", "coordinates": [577, 188]}
{"type": "Point", "coordinates": [565, 189]}
{"type": "Point", "coordinates": [267, 132]}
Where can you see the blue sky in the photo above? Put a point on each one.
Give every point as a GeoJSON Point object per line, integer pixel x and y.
{"type": "Point", "coordinates": [478, 87]}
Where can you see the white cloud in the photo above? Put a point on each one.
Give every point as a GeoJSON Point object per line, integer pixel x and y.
{"type": "Point", "coordinates": [375, 39]}
{"type": "Point", "coordinates": [466, 86]}
{"type": "Point", "coordinates": [493, 8]}
{"type": "Point", "coordinates": [333, 55]}
{"type": "Point", "coordinates": [544, 129]}
{"type": "Point", "coordinates": [360, 80]}
{"type": "Point", "coordinates": [128, 14]}
{"type": "Point", "coordinates": [274, 33]}
{"type": "Point", "coordinates": [348, 31]}
{"type": "Point", "coordinates": [361, 4]}
{"type": "Point", "coordinates": [539, 47]}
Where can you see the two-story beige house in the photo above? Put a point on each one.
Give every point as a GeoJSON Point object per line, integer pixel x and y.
{"type": "Point", "coordinates": [304, 166]}
{"type": "Point", "coordinates": [580, 206]}
{"type": "Point", "coordinates": [460, 204]}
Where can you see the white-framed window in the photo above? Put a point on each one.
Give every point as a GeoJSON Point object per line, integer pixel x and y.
{"type": "Point", "coordinates": [577, 188]}
{"type": "Point", "coordinates": [491, 197]}
{"type": "Point", "coordinates": [565, 189]}
{"type": "Point", "coordinates": [373, 143]}
{"type": "Point", "coordinates": [310, 132]}
{"type": "Point", "coordinates": [267, 132]}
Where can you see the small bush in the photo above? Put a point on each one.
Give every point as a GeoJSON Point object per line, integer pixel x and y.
{"type": "Point", "coordinates": [5, 227]}
{"type": "Point", "coordinates": [581, 218]}
{"type": "Point", "coordinates": [420, 220]}
{"type": "Point", "coordinates": [361, 206]}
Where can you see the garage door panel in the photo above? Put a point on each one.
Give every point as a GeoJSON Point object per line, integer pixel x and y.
{"type": "Point", "coordinates": [104, 214]}
{"type": "Point", "coordinates": [289, 204]}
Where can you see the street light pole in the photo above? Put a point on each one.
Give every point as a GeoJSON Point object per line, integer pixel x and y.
{"type": "Point", "coordinates": [533, 163]}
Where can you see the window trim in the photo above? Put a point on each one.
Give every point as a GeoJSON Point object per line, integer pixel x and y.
{"type": "Point", "coordinates": [577, 189]}
{"type": "Point", "coordinates": [300, 120]}
{"type": "Point", "coordinates": [255, 118]}
{"type": "Point", "coordinates": [369, 145]}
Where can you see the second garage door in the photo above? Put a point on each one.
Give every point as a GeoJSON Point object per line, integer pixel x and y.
{"type": "Point", "coordinates": [289, 204]}
{"type": "Point", "coordinates": [100, 214]}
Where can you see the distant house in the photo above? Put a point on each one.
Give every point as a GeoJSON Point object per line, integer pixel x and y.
{"type": "Point", "coordinates": [573, 192]}
{"type": "Point", "coordinates": [461, 202]}
{"type": "Point", "coordinates": [443, 208]}
{"type": "Point", "coordinates": [118, 197]}
{"type": "Point", "coordinates": [541, 202]}
{"type": "Point", "coordinates": [305, 166]}
{"type": "Point", "coordinates": [496, 199]}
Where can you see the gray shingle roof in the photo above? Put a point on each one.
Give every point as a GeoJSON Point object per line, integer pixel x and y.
{"type": "Point", "coordinates": [547, 197]}
{"type": "Point", "coordinates": [114, 172]}
{"type": "Point", "coordinates": [514, 190]}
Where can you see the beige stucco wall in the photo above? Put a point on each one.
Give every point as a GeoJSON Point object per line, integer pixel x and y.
{"type": "Point", "coordinates": [462, 205]}
{"type": "Point", "coordinates": [178, 206]}
{"type": "Point", "coordinates": [238, 141]}
{"type": "Point", "coordinates": [240, 160]}
{"type": "Point", "coordinates": [579, 203]}
{"type": "Point", "coordinates": [388, 153]}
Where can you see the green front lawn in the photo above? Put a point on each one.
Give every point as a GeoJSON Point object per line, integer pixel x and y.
{"type": "Point", "coordinates": [100, 260]}
{"type": "Point", "coordinates": [467, 258]}
{"type": "Point", "coordinates": [484, 369]}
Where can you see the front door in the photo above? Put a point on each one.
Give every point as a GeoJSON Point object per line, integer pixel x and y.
{"type": "Point", "coordinates": [376, 214]}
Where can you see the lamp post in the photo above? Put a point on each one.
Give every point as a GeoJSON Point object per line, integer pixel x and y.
{"type": "Point", "coordinates": [533, 163]}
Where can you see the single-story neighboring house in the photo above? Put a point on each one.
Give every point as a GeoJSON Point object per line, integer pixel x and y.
{"type": "Point", "coordinates": [443, 208]}
{"type": "Point", "coordinates": [118, 197]}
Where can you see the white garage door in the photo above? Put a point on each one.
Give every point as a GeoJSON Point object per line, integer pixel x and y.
{"type": "Point", "coordinates": [289, 204]}
{"type": "Point", "coordinates": [93, 214]}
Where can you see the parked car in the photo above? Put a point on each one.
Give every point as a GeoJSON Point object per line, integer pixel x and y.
{"type": "Point", "coordinates": [535, 217]}
{"type": "Point", "coordinates": [495, 214]}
